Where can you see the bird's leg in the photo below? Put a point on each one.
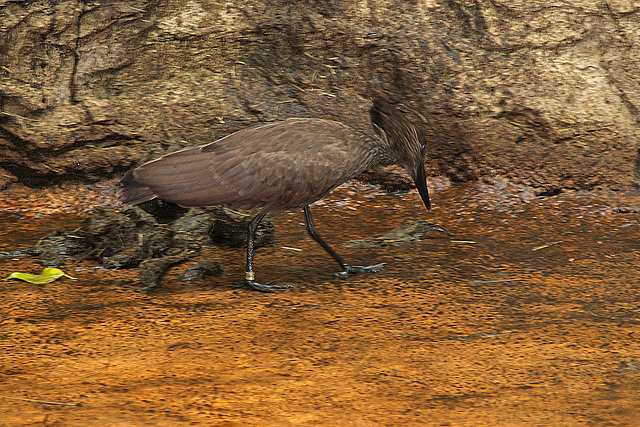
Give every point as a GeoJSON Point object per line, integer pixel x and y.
{"type": "Point", "coordinates": [346, 267]}
{"type": "Point", "coordinates": [249, 274]}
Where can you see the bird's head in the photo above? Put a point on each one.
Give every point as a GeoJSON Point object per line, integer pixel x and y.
{"type": "Point", "coordinates": [407, 143]}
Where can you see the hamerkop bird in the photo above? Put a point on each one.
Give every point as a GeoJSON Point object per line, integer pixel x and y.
{"type": "Point", "coordinates": [278, 166]}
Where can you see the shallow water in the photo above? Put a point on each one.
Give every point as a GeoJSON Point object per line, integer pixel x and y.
{"type": "Point", "coordinates": [528, 314]}
{"type": "Point", "coordinates": [19, 232]}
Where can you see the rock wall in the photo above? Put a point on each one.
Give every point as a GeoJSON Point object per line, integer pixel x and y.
{"type": "Point", "coordinates": [546, 93]}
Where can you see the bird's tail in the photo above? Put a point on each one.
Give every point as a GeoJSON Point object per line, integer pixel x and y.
{"type": "Point", "coordinates": [131, 192]}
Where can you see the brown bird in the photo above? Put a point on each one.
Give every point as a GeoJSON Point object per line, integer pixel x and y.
{"type": "Point", "coordinates": [282, 165]}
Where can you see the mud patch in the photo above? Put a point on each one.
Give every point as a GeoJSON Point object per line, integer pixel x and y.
{"type": "Point", "coordinates": [132, 237]}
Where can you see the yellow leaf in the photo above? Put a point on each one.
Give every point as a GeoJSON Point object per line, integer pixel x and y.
{"type": "Point", "coordinates": [48, 275]}
{"type": "Point", "coordinates": [537, 248]}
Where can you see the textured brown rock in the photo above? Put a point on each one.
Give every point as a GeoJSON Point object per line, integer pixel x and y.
{"type": "Point", "coordinates": [545, 94]}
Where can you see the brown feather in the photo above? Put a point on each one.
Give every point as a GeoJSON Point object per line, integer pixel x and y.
{"type": "Point", "coordinates": [281, 165]}
{"type": "Point", "coordinates": [275, 166]}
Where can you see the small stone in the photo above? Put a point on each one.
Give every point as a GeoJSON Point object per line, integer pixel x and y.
{"type": "Point", "coordinates": [201, 270]}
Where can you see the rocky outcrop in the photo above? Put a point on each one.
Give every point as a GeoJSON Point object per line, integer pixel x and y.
{"type": "Point", "coordinates": [545, 93]}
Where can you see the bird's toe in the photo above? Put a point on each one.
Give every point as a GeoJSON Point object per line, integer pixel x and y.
{"type": "Point", "coordinates": [351, 269]}
{"type": "Point", "coordinates": [263, 287]}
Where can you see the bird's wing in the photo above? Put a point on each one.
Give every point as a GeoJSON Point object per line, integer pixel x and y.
{"type": "Point", "coordinates": [279, 165]}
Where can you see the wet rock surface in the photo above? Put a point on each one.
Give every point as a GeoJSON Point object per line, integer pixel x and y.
{"type": "Point", "coordinates": [202, 270]}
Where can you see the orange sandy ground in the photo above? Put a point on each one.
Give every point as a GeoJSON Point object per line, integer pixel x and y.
{"type": "Point", "coordinates": [449, 333]}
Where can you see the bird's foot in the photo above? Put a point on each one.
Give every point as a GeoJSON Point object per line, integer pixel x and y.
{"type": "Point", "coordinates": [263, 287]}
{"type": "Point", "coordinates": [350, 269]}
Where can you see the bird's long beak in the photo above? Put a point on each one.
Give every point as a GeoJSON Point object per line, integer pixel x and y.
{"type": "Point", "coordinates": [421, 183]}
